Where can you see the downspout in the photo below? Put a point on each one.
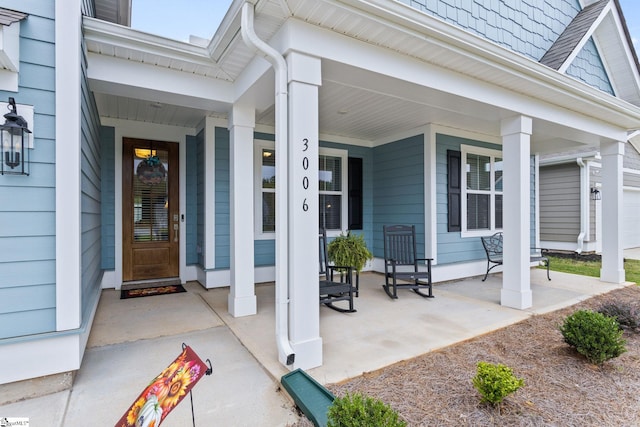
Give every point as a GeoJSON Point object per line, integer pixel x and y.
{"type": "Point", "coordinates": [584, 204]}
{"type": "Point", "coordinates": [285, 351]}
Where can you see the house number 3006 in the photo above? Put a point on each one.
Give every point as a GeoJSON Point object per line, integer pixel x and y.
{"type": "Point", "coordinates": [305, 166]}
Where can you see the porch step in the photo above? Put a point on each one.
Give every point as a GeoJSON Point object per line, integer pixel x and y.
{"type": "Point", "coordinates": [310, 396]}
{"type": "Point", "coordinates": [127, 286]}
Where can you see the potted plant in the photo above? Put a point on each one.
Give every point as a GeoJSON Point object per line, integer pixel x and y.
{"type": "Point", "coordinates": [349, 250]}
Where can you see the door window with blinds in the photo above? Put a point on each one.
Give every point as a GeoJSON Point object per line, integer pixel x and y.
{"type": "Point", "coordinates": [150, 195]}
{"type": "Point", "coordinates": [482, 191]}
{"type": "Point", "coordinates": [332, 182]}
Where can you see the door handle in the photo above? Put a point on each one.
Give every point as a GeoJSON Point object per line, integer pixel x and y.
{"type": "Point", "coordinates": [176, 227]}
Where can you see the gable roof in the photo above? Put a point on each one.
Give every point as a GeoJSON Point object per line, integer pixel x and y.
{"type": "Point", "coordinates": [566, 44]}
{"type": "Point", "coordinates": [602, 21]}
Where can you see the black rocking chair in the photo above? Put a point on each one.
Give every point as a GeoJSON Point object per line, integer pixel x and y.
{"type": "Point", "coordinates": [336, 282]}
{"type": "Point", "coordinates": [400, 262]}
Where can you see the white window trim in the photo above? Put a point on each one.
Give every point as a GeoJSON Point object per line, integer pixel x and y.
{"type": "Point", "coordinates": [259, 145]}
{"type": "Point", "coordinates": [470, 149]}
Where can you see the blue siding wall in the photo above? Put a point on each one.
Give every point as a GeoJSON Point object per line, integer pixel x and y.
{"type": "Point", "coordinates": [222, 219]}
{"type": "Point", "coordinates": [108, 190]}
{"type": "Point", "coordinates": [398, 189]}
{"type": "Point", "coordinates": [588, 67]}
{"type": "Point", "coordinates": [200, 157]}
{"type": "Point", "coordinates": [193, 190]}
{"type": "Point", "coordinates": [527, 27]}
{"type": "Point", "coordinates": [27, 248]}
{"type": "Point", "coordinates": [451, 246]}
{"type": "Point", "coordinates": [91, 200]}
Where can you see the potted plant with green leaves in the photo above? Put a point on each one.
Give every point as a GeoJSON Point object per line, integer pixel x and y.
{"type": "Point", "coordinates": [349, 250]}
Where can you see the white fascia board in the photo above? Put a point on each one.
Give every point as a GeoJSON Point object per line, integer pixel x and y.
{"type": "Point", "coordinates": [107, 73]}
{"type": "Point", "coordinates": [123, 37]}
{"type": "Point", "coordinates": [570, 158]}
{"type": "Point", "coordinates": [296, 35]}
{"type": "Point", "coordinates": [607, 9]}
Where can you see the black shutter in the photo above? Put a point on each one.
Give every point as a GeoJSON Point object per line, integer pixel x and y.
{"type": "Point", "coordinates": [355, 193]}
{"type": "Point", "coordinates": [454, 178]}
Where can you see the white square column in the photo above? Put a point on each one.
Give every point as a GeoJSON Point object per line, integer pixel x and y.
{"type": "Point", "coordinates": [304, 310]}
{"type": "Point", "coordinates": [516, 219]}
{"type": "Point", "coordinates": [242, 297]}
{"type": "Point", "coordinates": [612, 181]}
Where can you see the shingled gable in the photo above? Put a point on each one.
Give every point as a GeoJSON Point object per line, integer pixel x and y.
{"type": "Point", "coordinates": [568, 41]}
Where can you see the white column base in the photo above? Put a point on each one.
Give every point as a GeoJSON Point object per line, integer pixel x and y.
{"type": "Point", "coordinates": [516, 299]}
{"type": "Point", "coordinates": [242, 306]}
{"type": "Point", "coordinates": [308, 354]}
{"type": "Point", "coordinates": [612, 276]}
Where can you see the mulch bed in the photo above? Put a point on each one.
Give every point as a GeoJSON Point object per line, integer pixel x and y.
{"type": "Point", "coordinates": [561, 387]}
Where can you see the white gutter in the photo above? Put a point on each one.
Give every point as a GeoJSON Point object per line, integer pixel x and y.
{"type": "Point", "coordinates": [286, 354]}
{"type": "Point", "coordinates": [584, 203]}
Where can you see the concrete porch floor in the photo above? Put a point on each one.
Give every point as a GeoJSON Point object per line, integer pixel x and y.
{"type": "Point", "coordinates": [133, 340]}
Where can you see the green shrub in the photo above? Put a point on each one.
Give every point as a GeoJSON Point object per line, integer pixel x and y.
{"type": "Point", "coordinates": [626, 316]}
{"type": "Point", "coordinates": [495, 382]}
{"type": "Point", "coordinates": [594, 335]}
{"type": "Point", "coordinates": [362, 411]}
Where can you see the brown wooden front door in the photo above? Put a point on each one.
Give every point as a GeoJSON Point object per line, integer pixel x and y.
{"type": "Point", "coordinates": [150, 210]}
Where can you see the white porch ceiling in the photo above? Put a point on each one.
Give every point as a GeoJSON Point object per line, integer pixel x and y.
{"type": "Point", "coordinates": [353, 103]}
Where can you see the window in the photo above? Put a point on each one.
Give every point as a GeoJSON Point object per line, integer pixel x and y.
{"type": "Point", "coordinates": [481, 191]}
{"type": "Point", "coordinates": [332, 183]}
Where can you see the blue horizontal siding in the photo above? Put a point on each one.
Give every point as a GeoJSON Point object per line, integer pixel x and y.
{"type": "Point", "coordinates": [39, 297]}
{"type": "Point", "coordinates": [201, 198]}
{"type": "Point", "coordinates": [222, 238]}
{"type": "Point", "coordinates": [15, 274]}
{"type": "Point", "coordinates": [265, 252]}
{"type": "Point", "coordinates": [191, 209]}
{"type": "Point", "coordinates": [28, 247]}
{"type": "Point", "coordinates": [398, 180]}
{"type": "Point", "coordinates": [27, 322]}
{"type": "Point", "coordinates": [107, 190]}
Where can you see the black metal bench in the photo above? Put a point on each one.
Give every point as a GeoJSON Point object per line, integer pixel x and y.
{"type": "Point", "coordinates": [493, 249]}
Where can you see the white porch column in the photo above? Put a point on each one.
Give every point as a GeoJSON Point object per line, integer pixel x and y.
{"type": "Point", "coordinates": [516, 279]}
{"type": "Point", "coordinates": [304, 312]}
{"type": "Point", "coordinates": [242, 297]}
{"type": "Point", "coordinates": [612, 181]}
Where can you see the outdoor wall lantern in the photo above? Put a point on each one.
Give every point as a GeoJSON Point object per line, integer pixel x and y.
{"type": "Point", "coordinates": [14, 148]}
{"type": "Point", "coordinates": [595, 194]}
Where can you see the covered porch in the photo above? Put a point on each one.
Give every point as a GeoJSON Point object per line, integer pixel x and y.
{"type": "Point", "coordinates": [433, 88]}
{"type": "Point", "coordinates": [126, 350]}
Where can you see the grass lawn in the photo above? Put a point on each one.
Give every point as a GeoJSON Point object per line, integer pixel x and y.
{"type": "Point", "coordinates": [592, 268]}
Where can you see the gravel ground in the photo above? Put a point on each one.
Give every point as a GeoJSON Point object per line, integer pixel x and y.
{"type": "Point", "coordinates": [561, 387]}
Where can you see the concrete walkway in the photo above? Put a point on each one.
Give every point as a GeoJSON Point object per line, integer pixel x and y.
{"type": "Point", "coordinates": [133, 340]}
